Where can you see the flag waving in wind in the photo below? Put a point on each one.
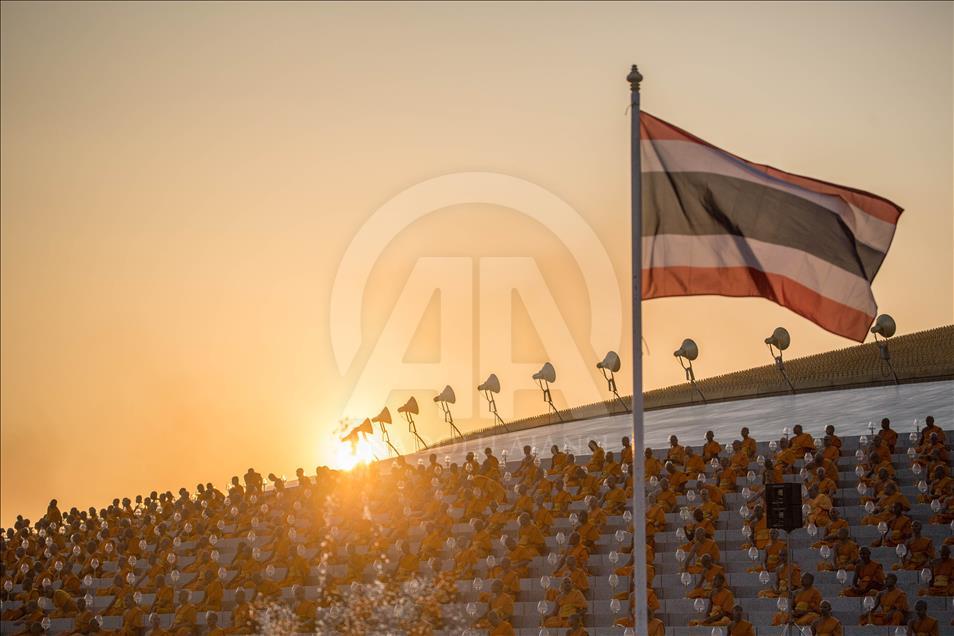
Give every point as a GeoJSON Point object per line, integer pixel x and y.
{"type": "Point", "coordinates": [713, 223]}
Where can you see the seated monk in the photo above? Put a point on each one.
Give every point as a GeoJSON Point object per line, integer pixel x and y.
{"type": "Point", "coordinates": [509, 576]}
{"type": "Point", "coordinates": [214, 591]}
{"type": "Point", "coordinates": [164, 600]}
{"type": "Point", "coordinates": [806, 607]}
{"type": "Point", "coordinates": [63, 604]}
{"type": "Point", "coordinates": [826, 624]}
{"type": "Point", "coordinates": [709, 507]}
{"type": "Point", "coordinates": [830, 435]}
{"type": "Point", "coordinates": [242, 615]}
{"type": "Point", "coordinates": [570, 602]}
{"type": "Point", "coordinates": [498, 625]}
{"type": "Point", "coordinates": [869, 576]}
{"type": "Point", "coordinates": [788, 576]}
{"type": "Point", "coordinates": [655, 517]}
{"type": "Point", "coordinates": [884, 507]}
{"type": "Point", "coordinates": [212, 625]}
{"type": "Point", "coordinates": [891, 605]}
{"type": "Point", "coordinates": [738, 626]}
{"type": "Point", "coordinates": [942, 575]}
{"type": "Point", "coordinates": [155, 627]}
{"type": "Point", "coordinates": [561, 500]}
{"type": "Point", "coordinates": [758, 524]}
{"type": "Point", "coordinates": [919, 550]}
{"type": "Point", "coordinates": [740, 458]}
{"type": "Point", "coordinates": [831, 532]}
{"type": "Point", "coordinates": [597, 457]}
{"type": "Point", "coordinates": [698, 520]}
{"type": "Point", "coordinates": [786, 456]}
{"type": "Point", "coordinates": [819, 479]}
{"type": "Point", "coordinates": [626, 454]}
{"type": "Point", "coordinates": [706, 577]}
{"type": "Point", "coordinates": [832, 442]}
{"type": "Point", "coordinates": [801, 441]}
{"type": "Point", "coordinates": [888, 435]}
{"type": "Point", "coordinates": [711, 448]}
{"type": "Point", "coordinates": [930, 428]}
{"type": "Point", "coordinates": [677, 478]}
{"type": "Point", "coordinates": [821, 507]}
{"type": "Point", "coordinates": [941, 486]}
{"type": "Point", "coordinates": [694, 463]}
{"type": "Point", "coordinates": [922, 624]}
{"type": "Point", "coordinates": [721, 604]}
{"type": "Point", "coordinates": [577, 574]}
{"type": "Point", "coordinates": [499, 602]}
{"type": "Point", "coordinates": [749, 444]}
{"type": "Point", "coordinates": [771, 553]}
{"type": "Point", "coordinates": [676, 453]}
{"type": "Point", "coordinates": [699, 546]}
{"type": "Point", "coordinates": [665, 496]}
{"type": "Point", "coordinates": [408, 564]}
{"type": "Point", "coordinates": [651, 464]}
{"type": "Point", "coordinates": [616, 497]}
{"type": "Point", "coordinates": [557, 460]}
{"type": "Point", "coordinates": [186, 613]}
{"type": "Point", "coordinates": [728, 476]}
{"type": "Point", "coordinates": [898, 526]}
{"type": "Point", "coordinates": [132, 617]}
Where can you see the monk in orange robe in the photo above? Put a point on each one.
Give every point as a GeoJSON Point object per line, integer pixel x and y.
{"type": "Point", "coordinates": [869, 576]}
{"type": "Point", "coordinates": [721, 604]}
{"type": "Point", "coordinates": [711, 448]}
{"type": "Point", "coordinates": [942, 575]}
{"type": "Point", "coordinates": [676, 453]}
{"type": "Point", "coordinates": [806, 607]}
{"type": "Point", "coordinates": [827, 625]}
{"type": "Point", "coordinates": [738, 626]}
{"type": "Point", "coordinates": [697, 548]}
{"type": "Point", "coordinates": [891, 605]}
{"type": "Point", "coordinates": [919, 550]}
{"type": "Point", "coordinates": [922, 624]}
{"type": "Point", "coordinates": [705, 579]}
{"type": "Point", "coordinates": [748, 443]}
{"type": "Point", "coordinates": [802, 441]}
{"type": "Point", "coordinates": [570, 602]}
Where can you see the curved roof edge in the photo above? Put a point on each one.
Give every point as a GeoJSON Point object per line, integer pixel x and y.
{"type": "Point", "coordinates": [924, 356]}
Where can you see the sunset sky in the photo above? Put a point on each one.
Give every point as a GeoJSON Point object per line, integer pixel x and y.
{"type": "Point", "coordinates": [181, 184]}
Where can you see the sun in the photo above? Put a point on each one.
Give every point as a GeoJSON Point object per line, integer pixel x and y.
{"type": "Point", "coordinates": [363, 453]}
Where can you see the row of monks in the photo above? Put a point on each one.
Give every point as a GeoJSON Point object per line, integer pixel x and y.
{"type": "Point", "coordinates": [177, 554]}
{"type": "Point", "coordinates": [886, 507]}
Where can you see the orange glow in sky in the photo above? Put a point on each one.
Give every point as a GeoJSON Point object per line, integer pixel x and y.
{"type": "Point", "coordinates": [181, 181]}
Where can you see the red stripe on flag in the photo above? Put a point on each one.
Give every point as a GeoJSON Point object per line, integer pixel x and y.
{"type": "Point", "coordinates": [839, 319]}
{"type": "Point", "coordinates": [652, 127]}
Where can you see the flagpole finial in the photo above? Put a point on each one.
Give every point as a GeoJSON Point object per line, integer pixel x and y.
{"type": "Point", "coordinates": [634, 78]}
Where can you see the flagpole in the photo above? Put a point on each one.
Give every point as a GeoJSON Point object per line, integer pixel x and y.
{"type": "Point", "coordinates": [639, 497]}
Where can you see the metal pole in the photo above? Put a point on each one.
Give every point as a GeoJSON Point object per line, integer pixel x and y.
{"type": "Point", "coordinates": [640, 584]}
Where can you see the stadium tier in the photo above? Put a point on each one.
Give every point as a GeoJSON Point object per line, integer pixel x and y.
{"type": "Point", "coordinates": [464, 540]}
